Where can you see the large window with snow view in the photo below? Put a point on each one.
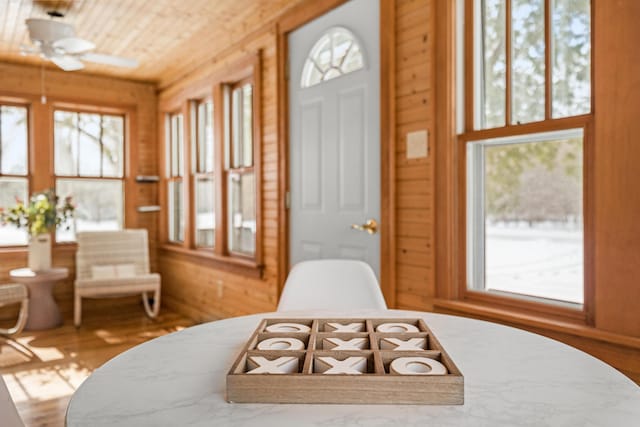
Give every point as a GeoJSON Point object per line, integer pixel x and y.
{"type": "Point", "coordinates": [527, 124]}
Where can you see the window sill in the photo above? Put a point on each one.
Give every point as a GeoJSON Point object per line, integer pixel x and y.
{"type": "Point", "coordinates": [230, 264]}
{"type": "Point", "coordinates": [541, 307]}
{"type": "Point", "coordinates": [18, 249]}
{"type": "Point", "coordinates": [519, 319]}
{"type": "Point", "coordinates": [23, 249]}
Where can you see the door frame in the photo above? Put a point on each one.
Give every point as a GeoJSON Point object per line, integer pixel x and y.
{"type": "Point", "coordinates": [290, 21]}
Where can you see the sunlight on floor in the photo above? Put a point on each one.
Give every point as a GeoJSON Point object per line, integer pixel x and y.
{"type": "Point", "coordinates": [45, 354]}
{"type": "Point", "coordinates": [46, 383]}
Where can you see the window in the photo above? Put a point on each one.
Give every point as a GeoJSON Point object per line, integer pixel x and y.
{"type": "Point", "coordinates": [14, 182]}
{"type": "Point", "coordinates": [524, 147]}
{"type": "Point", "coordinates": [241, 188]}
{"type": "Point", "coordinates": [214, 214]}
{"type": "Point", "coordinates": [525, 215]}
{"type": "Point", "coordinates": [512, 81]}
{"type": "Point", "coordinates": [89, 166]}
{"type": "Point", "coordinates": [204, 179]}
{"type": "Point", "coordinates": [175, 169]}
{"type": "Point", "coordinates": [336, 53]}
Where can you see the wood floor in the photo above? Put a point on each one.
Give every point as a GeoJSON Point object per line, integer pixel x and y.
{"type": "Point", "coordinates": [42, 369]}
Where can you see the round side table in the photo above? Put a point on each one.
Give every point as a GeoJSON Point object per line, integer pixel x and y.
{"type": "Point", "coordinates": [43, 310]}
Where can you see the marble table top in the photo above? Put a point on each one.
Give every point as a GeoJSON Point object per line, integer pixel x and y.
{"type": "Point", "coordinates": [512, 378]}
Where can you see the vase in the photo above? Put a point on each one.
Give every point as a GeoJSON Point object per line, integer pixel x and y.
{"type": "Point", "coordinates": [40, 252]}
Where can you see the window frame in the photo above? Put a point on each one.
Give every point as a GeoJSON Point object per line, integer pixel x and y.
{"type": "Point", "coordinates": [12, 102]}
{"type": "Point", "coordinates": [169, 177]}
{"type": "Point", "coordinates": [126, 151]}
{"type": "Point", "coordinates": [582, 314]}
{"type": "Point", "coordinates": [229, 167]}
{"type": "Point", "coordinates": [195, 173]}
{"type": "Point", "coordinates": [247, 68]}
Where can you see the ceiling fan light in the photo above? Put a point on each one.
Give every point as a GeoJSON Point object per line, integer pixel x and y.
{"type": "Point", "coordinates": [47, 30]}
{"type": "Point", "coordinates": [73, 45]}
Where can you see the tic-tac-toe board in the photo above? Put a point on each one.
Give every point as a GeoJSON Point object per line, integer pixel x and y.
{"type": "Point", "coordinates": [378, 361]}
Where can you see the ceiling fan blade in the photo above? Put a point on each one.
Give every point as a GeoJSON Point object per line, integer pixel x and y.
{"type": "Point", "coordinates": [73, 45]}
{"type": "Point", "coordinates": [67, 63]}
{"type": "Point", "coordinates": [117, 61]}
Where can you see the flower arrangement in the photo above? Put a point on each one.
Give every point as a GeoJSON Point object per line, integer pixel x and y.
{"type": "Point", "coordinates": [41, 215]}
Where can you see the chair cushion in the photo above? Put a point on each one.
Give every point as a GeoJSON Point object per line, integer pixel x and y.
{"type": "Point", "coordinates": [125, 270]}
{"type": "Point", "coordinates": [102, 271]}
{"type": "Point", "coordinates": [112, 271]}
{"type": "Point", "coordinates": [131, 282]}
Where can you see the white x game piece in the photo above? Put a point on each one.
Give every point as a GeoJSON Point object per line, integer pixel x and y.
{"type": "Point", "coordinates": [338, 344]}
{"type": "Point", "coordinates": [355, 365]}
{"type": "Point", "coordinates": [397, 344]}
{"type": "Point", "coordinates": [339, 327]}
{"type": "Point", "coordinates": [281, 365]}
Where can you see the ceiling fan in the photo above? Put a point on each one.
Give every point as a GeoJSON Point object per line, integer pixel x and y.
{"type": "Point", "coordinates": [57, 42]}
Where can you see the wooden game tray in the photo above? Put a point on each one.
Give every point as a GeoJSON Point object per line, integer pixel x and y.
{"type": "Point", "coordinates": [375, 386]}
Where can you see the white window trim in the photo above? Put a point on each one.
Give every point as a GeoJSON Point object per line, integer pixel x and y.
{"type": "Point", "coordinates": [475, 221]}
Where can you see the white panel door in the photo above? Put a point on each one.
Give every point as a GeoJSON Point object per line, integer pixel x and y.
{"type": "Point", "coordinates": [335, 141]}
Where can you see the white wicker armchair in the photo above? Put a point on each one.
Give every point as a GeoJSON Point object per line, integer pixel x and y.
{"type": "Point", "coordinates": [13, 294]}
{"type": "Point", "coordinates": [114, 263]}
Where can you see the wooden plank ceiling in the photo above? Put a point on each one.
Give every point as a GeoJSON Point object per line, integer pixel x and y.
{"type": "Point", "coordinates": [168, 37]}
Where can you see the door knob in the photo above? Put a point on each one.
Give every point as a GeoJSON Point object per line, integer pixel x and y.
{"type": "Point", "coordinates": [371, 226]}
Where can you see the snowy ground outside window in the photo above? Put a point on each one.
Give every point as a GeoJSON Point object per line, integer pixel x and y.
{"type": "Point", "coordinates": [544, 261]}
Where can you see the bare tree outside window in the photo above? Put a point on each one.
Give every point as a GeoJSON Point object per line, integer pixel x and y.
{"type": "Point", "coordinates": [89, 166]}
{"type": "Point", "coordinates": [14, 182]}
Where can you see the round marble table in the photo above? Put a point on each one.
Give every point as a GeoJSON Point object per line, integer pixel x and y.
{"type": "Point", "coordinates": [43, 310]}
{"type": "Point", "coordinates": [512, 378]}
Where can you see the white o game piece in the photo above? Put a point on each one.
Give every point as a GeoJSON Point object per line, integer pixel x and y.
{"type": "Point", "coordinates": [281, 365]}
{"type": "Point", "coordinates": [281, 344]}
{"type": "Point", "coordinates": [417, 366]}
{"type": "Point", "coordinates": [396, 327]}
{"type": "Point", "coordinates": [350, 327]}
{"type": "Point", "coordinates": [287, 327]}
{"type": "Point", "coordinates": [355, 365]}
{"type": "Point", "coordinates": [396, 344]}
{"type": "Point", "coordinates": [339, 344]}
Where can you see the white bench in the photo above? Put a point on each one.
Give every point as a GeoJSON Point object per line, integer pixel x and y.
{"type": "Point", "coordinates": [114, 263]}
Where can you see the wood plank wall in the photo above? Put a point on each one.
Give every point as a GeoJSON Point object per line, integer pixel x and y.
{"type": "Point", "coordinates": [415, 110]}
{"type": "Point", "coordinates": [617, 198]}
{"type": "Point", "coordinates": [207, 293]}
{"type": "Point", "coordinates": [24, 81]}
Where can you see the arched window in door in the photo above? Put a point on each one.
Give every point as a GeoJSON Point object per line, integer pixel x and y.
{"type": "Point", "coordinates": [335, 54]}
